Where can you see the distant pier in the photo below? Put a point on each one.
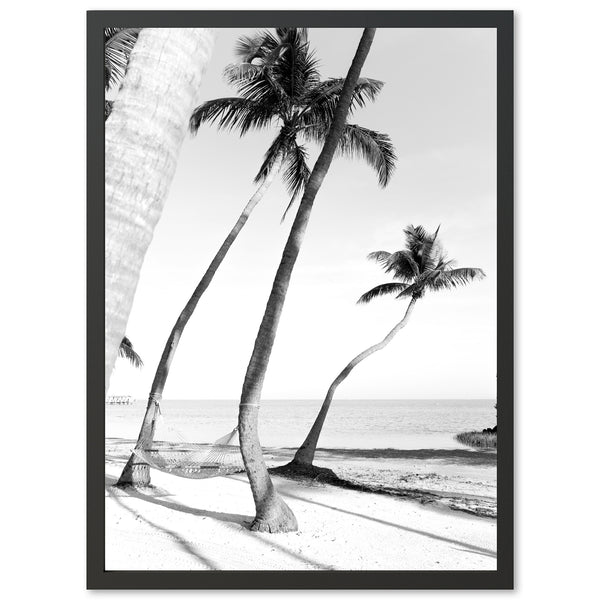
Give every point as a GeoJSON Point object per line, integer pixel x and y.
{"type": "Point", "coordinates": [119, 400]}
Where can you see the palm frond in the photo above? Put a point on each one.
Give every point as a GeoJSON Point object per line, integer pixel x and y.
{"type": "Point", "coordinates": [108, 104]}
{"type": "Point", "coordinates": [443, 262]}
{"type": "Point", "coordinates": [233, 113]}
{"type": "Point", "coordinates": [126, 351]}
{"type": "Point", "coordinates": [261, 88]}
{"type": "Point", "coordinates": [249, 47]}
{"type": "Point", "coordinates": [402, 265]}
{"type": "Point", "coordinates": [415, 237]}
{"type": "Point", "coordinates": [277, 150]}
{"type": "Point", "coordinates": [118, 44]}
{"type": "Point", "coordinates": [237, 73]}
{"type": "Point", "coordinates": [374, 147]}
{"type": "Point", "coordinates": [296, 69]}
{"type": "Point", "coordinates": [420, 244]}
{"type": "Point", "coordinates": [445, 280]}
{"type": "Point", "coordinates": [412, 290]}
{"type": "Point", "coordinates": [431, 252]}
{"type": "Point", "coordinates": [296, 174]}
{"type": "Point", "coordinates": [260, 55]}
{"type": "Point", "coordinates": [322, 100]}
{"type": "Point", "coordinates": [382, 290]}
{"type": "Point", "coordinates": [284, 32]}
{"type": "Point", "coordinates": [356, 141]}
{"type": "Point", "coordinates": [257, 57]}
{"type": "Point", "coordinates": [110, 31]}
{"type": "Point", "coordinates": [252, 47]}
{"type": "Point", "coordinates": [380, 256]}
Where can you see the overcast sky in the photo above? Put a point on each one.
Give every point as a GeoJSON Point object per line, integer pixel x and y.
{"type": "Point", "coordinates": [439, 107]}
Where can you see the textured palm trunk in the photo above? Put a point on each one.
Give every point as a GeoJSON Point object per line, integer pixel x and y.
{"type": "Point", "coordinates": [306, 453]}
{"type": "Point", "coordinates": [136, 471]}
{"type": "Point", "coordinates": [143, 137]}
{"type": "Point", "coordinates": [272, 513]}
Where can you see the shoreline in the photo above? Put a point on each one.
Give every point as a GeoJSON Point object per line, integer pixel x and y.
{"type": "Point", "coordinates": [462, 480]}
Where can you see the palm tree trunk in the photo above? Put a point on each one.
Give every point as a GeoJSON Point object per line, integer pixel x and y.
{"type": "Point", "coordinates": [306, 453]}
{"type": "Point", "coordinates": [136, 471]}
{"type": "Point", "coordinates": [142, 141]}
{"type": "Point", "coordinates": [272, 513]}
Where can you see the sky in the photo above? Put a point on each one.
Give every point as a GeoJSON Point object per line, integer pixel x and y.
{"type": "Point", "coordinates": [439, 107]}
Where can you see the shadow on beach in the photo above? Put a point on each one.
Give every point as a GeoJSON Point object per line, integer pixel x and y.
{"type": "Point", "coordinates": [454, 456]}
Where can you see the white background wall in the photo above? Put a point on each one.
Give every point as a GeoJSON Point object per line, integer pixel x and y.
{"type": "Point", "coordinates": [43, 250]}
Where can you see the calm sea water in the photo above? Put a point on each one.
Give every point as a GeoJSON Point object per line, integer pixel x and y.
{"type": "Point", "coordinates": [401, 424]}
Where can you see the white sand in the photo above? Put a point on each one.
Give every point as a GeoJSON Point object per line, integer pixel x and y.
{"type": "Point", "coordinates": [202, 524]}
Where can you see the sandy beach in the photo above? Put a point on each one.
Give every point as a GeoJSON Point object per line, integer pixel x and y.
{"type": "Point", "coordinates": [203, 524]}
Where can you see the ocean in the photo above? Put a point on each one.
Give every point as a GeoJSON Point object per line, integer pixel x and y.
{"type": "Point", "coordinates": [359, 424]}
{"type": "Point", "coordinates": [405, 447]}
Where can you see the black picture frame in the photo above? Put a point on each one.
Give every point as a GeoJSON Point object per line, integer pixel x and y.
{"type": "Point", "coordinates": [97, 576]}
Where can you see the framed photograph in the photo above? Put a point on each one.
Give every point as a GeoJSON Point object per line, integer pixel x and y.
{"type": "Point", "coordinates": [301, 227]}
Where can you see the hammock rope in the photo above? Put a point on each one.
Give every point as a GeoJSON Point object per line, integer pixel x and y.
{"type": "Point", "coordinates": [191, 460]}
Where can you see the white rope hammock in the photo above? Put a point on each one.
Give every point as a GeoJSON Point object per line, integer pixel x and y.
{"type": "Point", "coordinates": [191, 460]}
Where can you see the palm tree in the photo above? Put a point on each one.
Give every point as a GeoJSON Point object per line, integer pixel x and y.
{"type": "Point", "coordinates": [278, 82]}
{"type": "Point", "coordinates": [272, 513]}
{"type": "Point", "coordinates": [142, 141]}
{"type": "Point", "coordinates": [118, 44]}
{"type": "Point", "coordinates": [126, 351]}
{"type": "Point", "coordinates": [422, 266]}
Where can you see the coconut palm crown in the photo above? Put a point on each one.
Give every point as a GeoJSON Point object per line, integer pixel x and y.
{"type": "Point", "coordinates": [278, 81]}
{"type": "Point", "coordinates": [422, 266]}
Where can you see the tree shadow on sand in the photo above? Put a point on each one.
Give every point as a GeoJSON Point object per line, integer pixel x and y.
{"type": "Point", "coordinates": [152, 499]}
{"type": "Point", "coordinates": [433, 536]}
{"type": "Point", "coordinates": [322, 475]}
{"type": "Point", "coordinates": [455, 456]}
{"type": "Point", "coordinates": [184, 544]}
{"type": "Point", "coordinates": [284, 489]}
{"type": "Point", "coordinates": [243, 521]}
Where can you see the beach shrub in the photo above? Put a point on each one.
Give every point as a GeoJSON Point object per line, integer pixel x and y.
{"type": "Point", "coordinates": [478, 439]}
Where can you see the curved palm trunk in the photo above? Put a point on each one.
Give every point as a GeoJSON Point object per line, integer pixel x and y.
{"type": "Point", "coordinates": [143, 137]}
{"type": "Point", "coordinates": [136, 471]}
{"type": "Point", "coordinates": [272, 513]}
{"type": "Point", "coordinates": [306, 453]}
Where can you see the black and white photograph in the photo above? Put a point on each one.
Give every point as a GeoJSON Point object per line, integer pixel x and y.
{"type": "Point", "coordinates": [302, 236]}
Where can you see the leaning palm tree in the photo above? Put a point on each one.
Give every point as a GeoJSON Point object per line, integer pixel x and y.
{"type": "Point", "coordinates": [422, 266]}
{"type": "Point", "coordinates": [278, 83]}
{"type": "Point", "coordinates": [118, 44]}
{"type": "Point", "coordinates": [272, 513]}
{"type": "Point", "coordinates": [127, 352]}
{"type": "Point", "coordinates": [142, 141]}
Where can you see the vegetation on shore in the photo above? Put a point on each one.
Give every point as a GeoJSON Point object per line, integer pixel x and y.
{"type": "Point", "coordinates": [478, 439]}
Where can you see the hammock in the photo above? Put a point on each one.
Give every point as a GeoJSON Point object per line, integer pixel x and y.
{"type": "Point", "coordinates": [192, 460]}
